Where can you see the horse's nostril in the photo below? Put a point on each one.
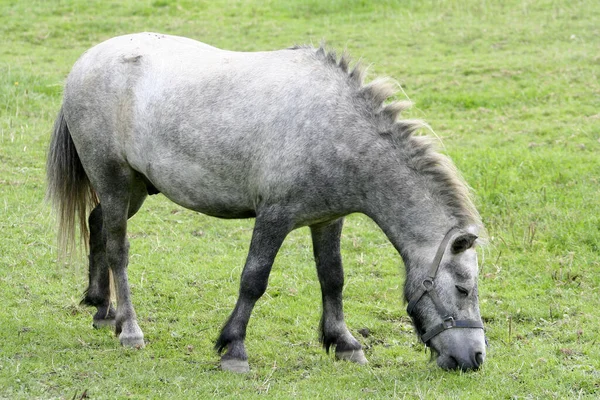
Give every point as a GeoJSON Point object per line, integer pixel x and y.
{"type": "Point", "coordinates": [478, 359]}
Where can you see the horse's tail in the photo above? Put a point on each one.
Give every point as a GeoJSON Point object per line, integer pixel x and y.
{"type": "Point", "coordinates": [69, 189]}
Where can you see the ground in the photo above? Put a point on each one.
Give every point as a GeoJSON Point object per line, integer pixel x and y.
{"type": "Point", "coordinates": [510, 87]}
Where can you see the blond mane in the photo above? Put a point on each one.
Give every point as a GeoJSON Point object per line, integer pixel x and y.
{"type": "Point", "coordinates": [424, 156]}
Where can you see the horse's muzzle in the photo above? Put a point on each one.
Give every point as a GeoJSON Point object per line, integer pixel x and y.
{"type": "Point", "coordinates": [469, 360]}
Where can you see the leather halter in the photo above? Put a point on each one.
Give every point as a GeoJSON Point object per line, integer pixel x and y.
{"type": "Point", "coordinates": [428, 287]}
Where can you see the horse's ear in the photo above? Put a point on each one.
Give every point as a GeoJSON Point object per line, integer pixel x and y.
{"type": "Point", "coordinates": [463, 242]}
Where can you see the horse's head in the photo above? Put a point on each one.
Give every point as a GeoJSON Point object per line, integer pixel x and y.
{"type": "Point", "coordinates": [443, 303]}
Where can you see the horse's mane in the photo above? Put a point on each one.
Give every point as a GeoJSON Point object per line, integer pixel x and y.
{"type": "Point", "coordinates": [422, 152]}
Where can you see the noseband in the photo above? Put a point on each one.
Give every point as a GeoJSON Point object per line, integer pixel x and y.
{"type": "Point", "coordinates": [428, 287]}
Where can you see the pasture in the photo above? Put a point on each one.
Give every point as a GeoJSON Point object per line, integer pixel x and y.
{"type": "Point", "coordinates": [511, 88]}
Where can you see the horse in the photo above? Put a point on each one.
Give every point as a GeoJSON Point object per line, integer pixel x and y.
{"type": "Point", "coordinates": [292, 138]}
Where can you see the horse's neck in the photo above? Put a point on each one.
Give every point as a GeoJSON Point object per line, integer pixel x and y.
{"type": "Point", "coordinates": [413, 219]}
{"type": "Point", "coordinates": [416, 232]}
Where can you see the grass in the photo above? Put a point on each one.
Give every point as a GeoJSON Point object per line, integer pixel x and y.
{"type": "Point", "coordinates": [512, 89]}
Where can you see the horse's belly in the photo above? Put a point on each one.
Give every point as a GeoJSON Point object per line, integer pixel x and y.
{"type": "Point", "coordinates": [206, 201]}
{"type": "Point", "coordinates": [196, 189]}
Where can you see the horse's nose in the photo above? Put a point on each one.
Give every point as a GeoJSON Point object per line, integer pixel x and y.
{"type": "Point", "coordinates": [465, 362]}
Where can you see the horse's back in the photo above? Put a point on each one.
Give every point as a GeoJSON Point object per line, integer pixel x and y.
{"type": "Point", "coordinates": [214, 130]}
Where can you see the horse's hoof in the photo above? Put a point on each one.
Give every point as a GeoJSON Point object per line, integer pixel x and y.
{"type": "Point", "coordinates": [133, 338]}
{"type": "Point", "coordinates": [104, 323]}
{"type": "Point", "coordinates": [130, 334]}
{"type": "Point", "coordinates": [234, 365]}
{"type": "Point", "coordinates": [132, 341]}
{"type": "Point", "coordinates": [357, 356]}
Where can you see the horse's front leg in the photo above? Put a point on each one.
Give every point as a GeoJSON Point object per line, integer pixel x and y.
{"type": "Point", "coordinates": [270, 230]}
{"type": "Point", "coordinates": [326, 247]}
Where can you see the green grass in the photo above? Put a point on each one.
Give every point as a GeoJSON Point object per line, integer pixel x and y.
{"type": "Point", "coordinates": [511, 87]}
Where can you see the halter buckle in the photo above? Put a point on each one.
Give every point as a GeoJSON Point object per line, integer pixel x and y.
{"type": "Point", "coordinates": [448, 322]}
{"type": "Point", "coordinates": [428, 284]}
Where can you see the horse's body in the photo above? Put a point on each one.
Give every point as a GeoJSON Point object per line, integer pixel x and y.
{"type": "Point", "coordinates": [289, 137]}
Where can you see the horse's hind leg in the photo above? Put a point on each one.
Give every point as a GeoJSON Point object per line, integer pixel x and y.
{"type": "Point", "coordinates": [326, 247]}
{"type": "Point", "coordinates": [98, 291]}
{"type": "Point", "coordinates": [120, 199]}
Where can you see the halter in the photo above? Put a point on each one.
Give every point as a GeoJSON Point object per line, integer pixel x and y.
{"type": "Point", "coordinates": [428, 286]}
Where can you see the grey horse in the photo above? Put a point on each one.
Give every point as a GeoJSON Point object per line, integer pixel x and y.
{"type": "Point", "coordinates": [291, 138]}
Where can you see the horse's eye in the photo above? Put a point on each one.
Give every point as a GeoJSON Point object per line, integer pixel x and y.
{"type": "Point", "coordinates": [462, 290]}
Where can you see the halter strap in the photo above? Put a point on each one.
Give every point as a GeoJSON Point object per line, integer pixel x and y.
{"type": "Point", "coordinates": [449, 324]}
{"type": "Point", "coordinates": [428, 287]}
{"type": "Point", "coordinates": [428, 283]}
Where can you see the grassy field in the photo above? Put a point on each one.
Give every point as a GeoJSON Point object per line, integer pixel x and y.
{"type": "Point", "coordinates": [512, 88]}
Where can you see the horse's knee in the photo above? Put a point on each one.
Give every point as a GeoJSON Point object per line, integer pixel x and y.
{"type": "Point", "coordinates": [254, 283]}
